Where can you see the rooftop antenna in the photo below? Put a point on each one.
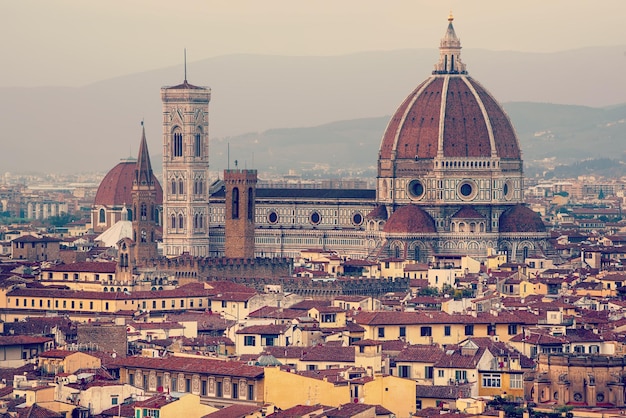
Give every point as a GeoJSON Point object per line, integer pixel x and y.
{"type": "Point", "coordinates": [185, 61]}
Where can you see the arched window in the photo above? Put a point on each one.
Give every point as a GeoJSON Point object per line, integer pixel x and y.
{"type": "Point", "coordinates": [250, 204]}
{"type": "Point", "coordinates": [102, 216]}
{"type": "Point", "coordinates": [198, 143]}
{"type": "Point", "coordinates": [181, 187]}
{"type": "Point", "coordinates": [144, 212]}
{"type": "Point", "coordinates": [173, 186]}
{"type": "Point", "coordinates": [181, 222]}
{"type": "Point", "coordinates": [235, 203]}
{"type": "Point", "coordinates": [173, 224]}
{"type": "Point", "coordinates": [195, 221]}
{"type": "Point", "coordinates": [201, 221]}
{"type": "Point", "coordinates": [152, 218]}
{"type": "Point", "coordinates": [144, 235]}
{"type": "Point", "coordinates": [396, 251]}
{"type": "Point", "coordinates": [416, 253]}
{"type": "Point", "coordinates": [129, 214]}
{"type": "Point", "coordinates": [177, 143]}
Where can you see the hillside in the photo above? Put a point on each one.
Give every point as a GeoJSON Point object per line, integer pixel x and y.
{"type": "Point", "coordinates": [549, 134]}
{"type": "Point", "coordinates": [58, 129]}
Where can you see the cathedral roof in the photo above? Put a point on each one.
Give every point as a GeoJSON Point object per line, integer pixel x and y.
{"type": "Point", "coordinates": [449, 115]}
{"type": "Point", "coordinates": [116, 187]}
{"type": "Point", "coordinates": [410, 219]}
{"type": "Point", "coordinates": [379, 212]}
{"type": "Point", "coordinates": [468, 212]}
{"type": "Point", "coordinates": [110, 237]}
{"type": "Point", "coordinates": [184, 86]}
{"type": "Point", "coordinates": [520, 218]}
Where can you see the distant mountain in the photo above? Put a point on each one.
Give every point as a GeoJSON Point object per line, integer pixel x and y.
{"type": "Point", "coordinates": [549, 135]}
{"type": "Point", "coordinates": [57, 129]}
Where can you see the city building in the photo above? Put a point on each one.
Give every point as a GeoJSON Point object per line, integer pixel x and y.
{"type": "Point", "coordinates": [450, 182]}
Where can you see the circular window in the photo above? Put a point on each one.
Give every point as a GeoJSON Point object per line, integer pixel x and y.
{"type": "Point", "coordinates": [416, 189]}
{"type": "Point", "coordinates": [357, 219]}
{"type": "Point", "coordinates": [600, 397]}
{"type": "Point", "coordinates": [272, 217]}
{"type": "Point", "coordinates": [315, 218]}
{"type": "Point", "coordinates": [467, 190]}
{"type": "Point", "coordinates": [507, 190]}
{"type": "Point", "coordinates": [578, 396]}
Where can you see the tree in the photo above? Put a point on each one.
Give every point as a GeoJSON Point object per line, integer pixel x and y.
{"type": "Point", "coordinates": [428, 291]}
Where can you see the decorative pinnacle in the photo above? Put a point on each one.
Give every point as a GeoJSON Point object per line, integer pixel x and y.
{"type": "Point", "coordinates": [450, 17]}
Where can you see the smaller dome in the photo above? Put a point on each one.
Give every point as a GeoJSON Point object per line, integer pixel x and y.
{"type": "Point", "coordinates": [116, 187]}
{"type": "Point", "coordinates": [379, 212]}
{"type": "Point", "coordinates": [410, 219]}
{"type": "Point", "coordinates": [520, 218]}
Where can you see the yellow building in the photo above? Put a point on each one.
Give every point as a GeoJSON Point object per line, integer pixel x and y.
{"type": "Point", "coordinates": [280, 384]}
{"type": "Point", "coordinates": [393, 393]}
{"type": "Point", "coordinates": [35, 394]}
{"type": "Point", "coordinates": [218, 382]}
{"type": "Point", "coordinates": [163, 406]}
{"type": "Point", "coordinates": [64, 361]}
{"type": "Point", "coordinates": [21, 302]}
{"type": "Point", "coordinates": [393, 267]}
{"type": "Point", "coordinates": [328, 316]}
{"type": "Point", "coordinates": [354, 302]}
{"type": "Point", "coordinates": [427, 327]}
{"type": "Point", "coordinates": [494, 261]}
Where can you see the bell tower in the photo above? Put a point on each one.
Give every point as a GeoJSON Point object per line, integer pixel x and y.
{"type": "Point", "coordinates": [185, 169]}
{"type": "Point", "coordinates": [240, 209]}
{"type": "Point", "coordinates": [145, 214]}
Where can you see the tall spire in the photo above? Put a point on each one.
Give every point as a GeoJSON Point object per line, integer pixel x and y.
{"type": "Point", "coordinates": [143, 169]}
{"type": "Point", "coordinates": [185, 59]}
{"type": "Point", "coordinates": [450, 52]}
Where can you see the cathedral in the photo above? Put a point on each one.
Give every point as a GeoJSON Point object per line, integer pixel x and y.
{"type": "Point", "coordinates": [450, 182]}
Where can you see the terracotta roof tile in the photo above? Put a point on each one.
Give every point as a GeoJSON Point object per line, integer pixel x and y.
{"type": "Point", "coordinates": [116, 187]}
{"type": "Point", "coordinates": [197, 365]}
{"type": "Point", "coordinates": [410, 219]}
{"type": "Point", "coordinates": [83, 267]}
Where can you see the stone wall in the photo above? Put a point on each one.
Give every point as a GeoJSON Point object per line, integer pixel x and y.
{"type": "Point", "coordinates": [105, 337]}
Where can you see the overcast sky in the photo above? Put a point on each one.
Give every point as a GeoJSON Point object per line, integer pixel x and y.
{"type": "Point", "coordinates": [76, 42]}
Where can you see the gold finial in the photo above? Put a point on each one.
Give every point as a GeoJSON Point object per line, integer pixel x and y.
{"type": "Point", "coordinates": [450, 17]}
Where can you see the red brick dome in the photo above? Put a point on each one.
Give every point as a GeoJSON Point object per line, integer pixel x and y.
{"type": "Point", "coordinates": [520, 218]}
{"type": "Point", "coordinates": [410, 219]}
{"type": "Point", "coordinates": [449, 115]}
{"type": "Point", "coordinates": [115, 188]}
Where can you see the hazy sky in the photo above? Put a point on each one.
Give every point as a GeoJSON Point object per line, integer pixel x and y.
{"type": "Point", "coordinates": [76, 42]}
